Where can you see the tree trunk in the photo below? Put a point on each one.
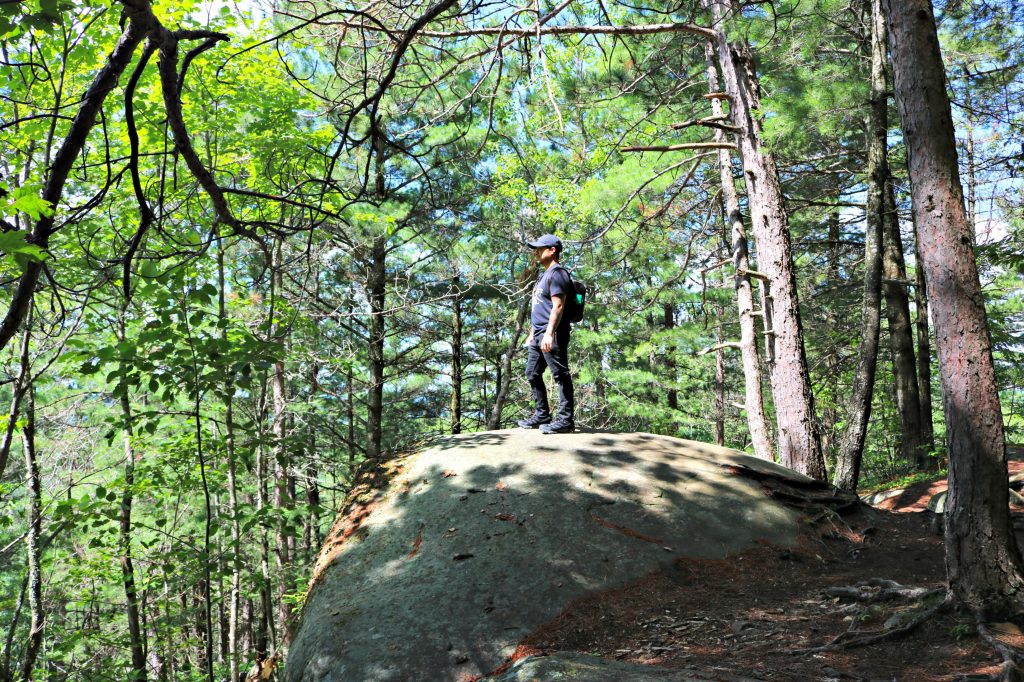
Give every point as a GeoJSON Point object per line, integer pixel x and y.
{"type": "Point", "coordinates": [901, 339]}
{"type": "Point", "coordinates": [266, 636]}
{"type": "Point", "coordinates": [350, 414]}
{"type": "Point", "coordinates": [672, 395]}
{"type": "Point", "coordinates": [897, 303]}
{"type": "Point", "coordinates": [983, 563]}
{"type": "Point", "coordinates": [719, 389]}
{"type": "Point", "coordinates": [799, 444]}
{"type": "Point", "coordinates": [924, 354]}
{"type": "Point", "coordinates": [376, 293]}
{"type": "Point", "coordinates": [505, 380]}
{"type": "Point", "coordinates": [135, 636]}
{"type": "Point", "coordinates": [852, 448]}
{"type": "Point", "coordinates": [456, 402]}
{"type": "Point", "coordinates": [281, 499]}
{"type": "Point", "coordinates": [829, 412]}
{"type": "Point", "coordinates": [33, 535]}
{"type": "Point", "coordinates": [972, 179]}
{"type": "Point", "coordinates": [229, 446]}
{"type": "Point", "coordinates": [5, 669]}
{"type": "Point", "coordinates": [760, 439]}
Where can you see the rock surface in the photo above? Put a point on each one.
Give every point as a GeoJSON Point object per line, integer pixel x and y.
{"type": "Point", "coordinates": [480, 539]}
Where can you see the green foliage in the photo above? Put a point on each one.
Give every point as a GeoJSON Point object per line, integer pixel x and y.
{"type": "Point", "coordinates": [173, 354]}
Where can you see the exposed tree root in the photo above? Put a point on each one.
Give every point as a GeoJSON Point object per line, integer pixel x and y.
{"type": "Point", "coordinates": [926, 605]}
{"type": "Point", "coordinates": [878, 589]}
{"type": "Point", "coordinates": [1007, 639]}
{"type": "Point", "coordinates": [806, 495]}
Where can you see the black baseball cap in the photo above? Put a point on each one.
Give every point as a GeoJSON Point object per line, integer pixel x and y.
{"type": "Point", "coordinates": [544, 241]}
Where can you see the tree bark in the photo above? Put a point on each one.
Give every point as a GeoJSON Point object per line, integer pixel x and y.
{"type": "Point", "coordinates": [829, 412]}
{"type": "Point", "coordinates": [232, 478]}
{"type": "Point", "coordinates": [894, 271]}
{"type": "Point", "coordinates": [760, 438]}
{"type": "Point", "coordinates": [983, 563]}
{"type": "Point", "coordinates": [5, 669]}
{"type": "Point", "coordinates": [456, 401]}
{"type": "Point", "coordinates": [799, 443]}
{"type": "Point", "coordinates": [671, 395]}
{"type": "Point", "coordinates": [33, 535]}
{"type": "Point", "coordinates": [505, 371]}
{"type": "Point", "coordinates": [924, 353]}
{"type": "Point", "coordinates": [852, 449]}
{"type": "Point", "coordinates": [376, 290]}
{"type": "Point", "coordinates": [972, 180]}
{"type": "Point", "coordinates": [901, 339]}
{"type": "Point", "coordinates": [719, 389]}
{"type": "Point", "coordinates": [281, 498]}
{"type": "Point", "coordinates": [135, 635]}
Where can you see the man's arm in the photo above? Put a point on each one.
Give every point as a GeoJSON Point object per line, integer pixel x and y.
{"type": "Point", "coordinates": [557, 307]}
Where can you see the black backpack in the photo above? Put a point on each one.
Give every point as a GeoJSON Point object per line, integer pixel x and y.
{"type": "Point", "coordinates": [577, 302]}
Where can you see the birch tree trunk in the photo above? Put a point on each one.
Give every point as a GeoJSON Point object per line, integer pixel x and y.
{"type": "Point", "coordinates": [799, 443]}
{"type": "Point", "coordinates": [983, 563]}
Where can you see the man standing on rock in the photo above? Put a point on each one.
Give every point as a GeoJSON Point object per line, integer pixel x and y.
{"type": "Point", "coordinates": [548, 342]}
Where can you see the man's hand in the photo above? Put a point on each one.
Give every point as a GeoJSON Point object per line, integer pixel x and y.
{"type": "Point", "coordinates": [557, 307]}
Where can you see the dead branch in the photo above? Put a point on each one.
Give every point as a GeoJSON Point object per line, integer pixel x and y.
{"type": "Point", "coordinates": [678, 147]}
{"type": "Point", "coordinates": [637, 30]}
{"type": "Point", "coordinates": [715, 266]}
{"type": "Point", "coordinates": [721, 346]}
{"type": "Point", "coordinates": [715, 122]}
{"type": "Point", "coordinates": [752, 273]}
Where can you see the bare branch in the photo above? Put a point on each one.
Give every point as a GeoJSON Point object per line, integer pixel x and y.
{"type": "Point", "coordinates": [678, 147]}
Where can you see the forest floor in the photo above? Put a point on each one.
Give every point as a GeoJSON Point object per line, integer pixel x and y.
{"type": "Point", "coordinates": [754, 615]}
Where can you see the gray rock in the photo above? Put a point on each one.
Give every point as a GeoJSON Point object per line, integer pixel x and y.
{"type": "Point", "coordinates": [484, 537]}
{"type": "Point", "coordinates": [882, 495]}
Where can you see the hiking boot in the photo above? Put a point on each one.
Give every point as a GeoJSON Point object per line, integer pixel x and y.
{"type": "Point", "coordinates": [558, 427]}
{"type": "Point", "coordinates": [533, 421]}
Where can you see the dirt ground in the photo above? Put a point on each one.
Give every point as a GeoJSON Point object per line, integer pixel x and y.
{"type": "Point", "coordinates": [754, 616]}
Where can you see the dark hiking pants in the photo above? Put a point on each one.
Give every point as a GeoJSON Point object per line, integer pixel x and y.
{"type": "Point", "coordinates": [558, 361]}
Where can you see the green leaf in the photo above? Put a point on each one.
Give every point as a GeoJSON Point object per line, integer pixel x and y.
{"type": "Point", "coordinates": [28, 201]}
{"type": "Point", "coordinates": [13, 244]}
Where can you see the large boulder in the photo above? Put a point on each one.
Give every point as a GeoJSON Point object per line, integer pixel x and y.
{"type": "Point", "coordinates": [475, 542]}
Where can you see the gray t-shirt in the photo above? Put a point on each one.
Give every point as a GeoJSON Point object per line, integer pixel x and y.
{"type": "Point", "coordinates": [554, 281]}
